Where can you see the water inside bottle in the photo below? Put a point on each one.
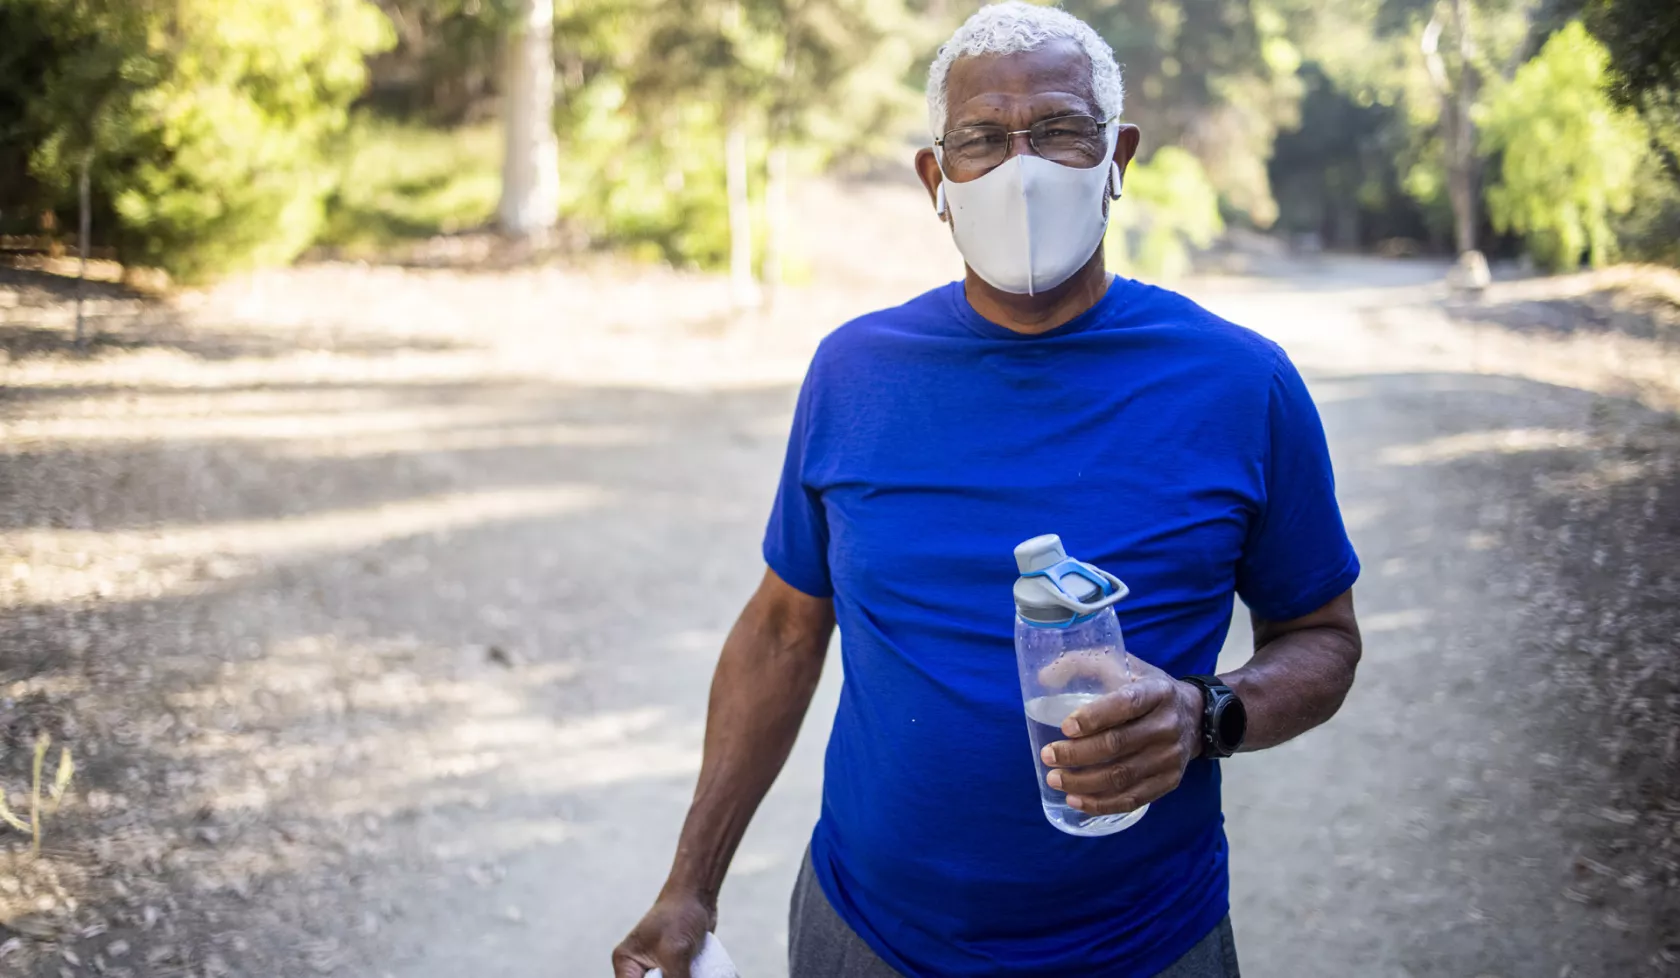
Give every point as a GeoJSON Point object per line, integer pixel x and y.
{"type": "Point", "coordinates": [1044, 726]}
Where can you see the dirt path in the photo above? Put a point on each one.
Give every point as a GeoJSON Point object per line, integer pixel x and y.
{"type": "Point", "coordinates": [336, 581]}
{"type": "Point", "coordinates": [1497, 797]}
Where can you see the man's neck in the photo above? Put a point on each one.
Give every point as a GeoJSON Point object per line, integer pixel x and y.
{"type": "Point", "coordinates": [1040, 313]}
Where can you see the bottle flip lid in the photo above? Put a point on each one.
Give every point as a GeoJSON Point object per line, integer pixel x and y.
{"type": "Point", "coordinates": [1055, 588]}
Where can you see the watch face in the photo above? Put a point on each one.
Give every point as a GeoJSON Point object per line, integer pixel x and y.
{"type": "Point", "coordinates": [1230, 723]}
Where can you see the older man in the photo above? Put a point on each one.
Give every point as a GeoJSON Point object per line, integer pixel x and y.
{"type": "Point", "coordinates": [1039, 394]}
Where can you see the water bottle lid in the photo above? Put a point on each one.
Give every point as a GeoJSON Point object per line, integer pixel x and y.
{"type": "Point", "coordinates": [1040, 552]}
{"type": "Point", "coordinates": [1054, 588]}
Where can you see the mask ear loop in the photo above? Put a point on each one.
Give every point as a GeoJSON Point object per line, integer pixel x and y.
{"type": "Point", "coordinates": [939, 192]}
{"type": "Point", "coordinates": [1114, 180]}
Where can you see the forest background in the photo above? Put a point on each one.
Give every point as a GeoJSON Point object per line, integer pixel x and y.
{"type": "Point", "coordinates": [203, 137]}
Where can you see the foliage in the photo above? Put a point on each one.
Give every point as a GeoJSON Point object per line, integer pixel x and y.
{"type": "Point", "coordinates": [649, 89]}
{"type": "Point", "coordinates": [1643, 38]}
{"type": "Point", "coordinates": [220, 134]}
{"type": "Point", "coordinates": [1340, 174]}
{"type": "Point", "coordinates": [400, 181]}
{"type": "Point", "coordinates": [442, 68]}
{"type": "Point", "coordinates": [1168, 207]}
{"type": "Point", "coordinates": [1650, 230]}
{"type": "Point", "coordinates": [1217, 79]}
{"type": "Point", "coordinates": [205, 123]}
{"type": "Point", "coordinates": [1569, 156]}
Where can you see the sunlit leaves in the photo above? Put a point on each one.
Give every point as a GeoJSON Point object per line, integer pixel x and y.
{"type": "Point", "coordinates": [1568, 155]}
{"type": "Point", "coordinates": [207, 123]}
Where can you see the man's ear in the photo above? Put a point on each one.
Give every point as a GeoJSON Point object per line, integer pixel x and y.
{"type": "Point", "coordinates": [927, 168]}
{"type": "Point", "coordinates": [1125, 147]}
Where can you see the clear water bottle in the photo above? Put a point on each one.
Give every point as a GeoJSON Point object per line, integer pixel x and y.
{"type": "Point", "coordinates": [1070, 652]}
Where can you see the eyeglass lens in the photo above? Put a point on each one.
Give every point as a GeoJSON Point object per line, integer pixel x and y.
{"type": "Point", "coordinates": [1074, 140]}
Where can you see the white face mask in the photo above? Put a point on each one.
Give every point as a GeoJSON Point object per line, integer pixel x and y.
{"type": "Point", "coordinates": [1028, 225]}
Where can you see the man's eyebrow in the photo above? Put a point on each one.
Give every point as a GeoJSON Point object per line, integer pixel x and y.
{"type": "Point", "coordinates": [966, 120]}
{"type": "Point", "coordinates": [969, 119]}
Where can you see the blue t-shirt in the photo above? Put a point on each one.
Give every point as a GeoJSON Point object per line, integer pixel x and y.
{"type": "Point", "coordinates": [1166, 445]}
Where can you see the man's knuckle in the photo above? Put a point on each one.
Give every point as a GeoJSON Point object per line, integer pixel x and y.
{"type": "Point", "coordinates": [1119, 776]}
{"type": "Point", "coordinates": [1114, 741]}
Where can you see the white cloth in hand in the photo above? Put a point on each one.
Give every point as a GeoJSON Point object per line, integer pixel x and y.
{"type": "Point", "coordinates": [712, 962]}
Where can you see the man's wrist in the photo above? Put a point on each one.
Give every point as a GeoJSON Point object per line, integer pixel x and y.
{"type": "Point", "coordinates": [1224, 720]}
{"type": "Point", "coordinates": [1192, 705]}
{"type": "Point", "coordinates": [681, 887]}
{"type": "Point", "coordinates": [694, 877]}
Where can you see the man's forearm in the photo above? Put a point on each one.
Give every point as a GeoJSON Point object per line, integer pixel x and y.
{"type": "Point", "coordinates": [761, 690]}
{"type": "Point", "coordinates": [1299, 674]}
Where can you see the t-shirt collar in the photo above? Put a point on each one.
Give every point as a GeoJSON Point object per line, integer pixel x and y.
{"type": "Point", "coordinates": [1105, 308]}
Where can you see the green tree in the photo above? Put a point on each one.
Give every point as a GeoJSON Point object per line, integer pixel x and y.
{"type": "Point", "coordinates": [659, 101]}
{"type": "Point", "coordinates": [1168, 208]}
{"type": "Point", "coordinates": [1643, 38]}
{"type": "Point", "coordinates": [1215, 78]}
{"type": "Point", "coordinates": [206, 124]}
{"type": "Point", "coordinates": [1568, 155]}
{"type": "Point", "coordinates": [1421, 67]}
{"type": "Point", "coordinates": [1339, 175]}
{"type": "Point", "coordinates": [442, 68]}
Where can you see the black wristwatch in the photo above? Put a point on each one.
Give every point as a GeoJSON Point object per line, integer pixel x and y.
{"type": "Point", "coordinates": [1224, 719]}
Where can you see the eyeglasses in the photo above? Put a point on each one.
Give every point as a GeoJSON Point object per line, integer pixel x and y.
{"type": "Point", "coordinates": [1071, 140]}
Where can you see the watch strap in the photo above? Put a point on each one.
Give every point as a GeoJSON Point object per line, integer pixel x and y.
{"type": "Point", "coordinates": [1217, 698]}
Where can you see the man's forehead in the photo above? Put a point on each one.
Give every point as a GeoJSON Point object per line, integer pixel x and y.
{"type": "Point", "coordinates": [1054, 76]}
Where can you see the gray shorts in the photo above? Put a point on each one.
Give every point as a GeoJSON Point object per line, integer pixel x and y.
{"type": "Point", "coordinates": [820, 945]}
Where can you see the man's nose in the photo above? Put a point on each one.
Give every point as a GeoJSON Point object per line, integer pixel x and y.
{"type": "Point", "coordinates": [1020, 143]}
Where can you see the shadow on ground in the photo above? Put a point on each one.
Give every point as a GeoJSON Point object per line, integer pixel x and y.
{"type": "Point", "coordinates": [305, 666]}
{"type": "Point", "coordinates": [1555, 308]}
{"type": "Point", "coordinates": [331, 655]}
{"type": "Point", "coordinates": [122, 320]}
{"type": "Point", "coordinates": [1498, 795]}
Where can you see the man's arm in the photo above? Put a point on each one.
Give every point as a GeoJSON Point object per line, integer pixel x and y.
{"type": "Point", "coordinates": [765, 676]}
{"type": "Point", "coordinates": [1299, 674]}
{"type": "Point", "coordinates": [1131, 747]}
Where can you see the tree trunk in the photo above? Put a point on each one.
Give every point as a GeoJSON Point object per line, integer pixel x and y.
{"type": "Point", "coordinates": [741, 282]}
{"type": "Point", "coordinates": [84, 229]}
{"type": "Point", "coordinates": [531, 165]}
{"type": "Point", "coordinates": [775, 205]}
{"type": "Point", "coordinates": [1459, 135]}
{"type": "Point", "coordinates": [1461, 138]}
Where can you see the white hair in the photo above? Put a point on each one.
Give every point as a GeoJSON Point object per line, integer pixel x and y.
{"type": "Point", "coordinates": [1013, 27]}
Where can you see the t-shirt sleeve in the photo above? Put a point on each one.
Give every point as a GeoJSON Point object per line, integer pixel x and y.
{"type": "Point", "coordinates": [796, 539]}
{"type": "Point", "coordinates": [1297, 556]}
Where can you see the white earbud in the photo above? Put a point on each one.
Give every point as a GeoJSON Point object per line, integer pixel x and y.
{"type": "Point", "coordinates": [939, 199]}
{"type": "Point", "coordinates": [1114, 180]}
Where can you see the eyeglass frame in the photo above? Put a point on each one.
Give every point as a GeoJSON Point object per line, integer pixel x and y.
{"type": "Point", "coordinates": [1009, 137]}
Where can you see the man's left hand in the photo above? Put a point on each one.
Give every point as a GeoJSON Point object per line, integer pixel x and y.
{"type": "Point", "coordinates": [1130, 747]}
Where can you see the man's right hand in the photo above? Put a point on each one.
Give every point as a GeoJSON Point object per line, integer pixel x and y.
{"type": "Point", "coordinates": [668, 938]}
{"type": "Point", "coordinates": [765, 675]}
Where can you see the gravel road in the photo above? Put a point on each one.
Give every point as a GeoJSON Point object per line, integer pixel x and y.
{"type": "Point", "coordinates": [380, 604]}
